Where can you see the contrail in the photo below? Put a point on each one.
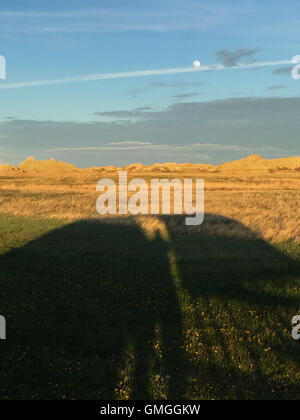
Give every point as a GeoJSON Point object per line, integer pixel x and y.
{"type": "Point", "coordinates": [140, 73]}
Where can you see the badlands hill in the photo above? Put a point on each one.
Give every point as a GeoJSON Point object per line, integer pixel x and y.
{"type": "Point", "coordinates": [253, 163]}
{"type": "Point", "coordinates": [32, 166]}
{"type": "Point", "coordinates": [257, 163]}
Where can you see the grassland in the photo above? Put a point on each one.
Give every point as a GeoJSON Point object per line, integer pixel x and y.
{"type": "Point", "coordinates": [122, 308]}
{"type": "Point", "coordinates": [268, 204]}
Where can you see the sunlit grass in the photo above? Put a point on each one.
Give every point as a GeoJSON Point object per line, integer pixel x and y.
{"type": "Point", "coordinates": [269, 204]}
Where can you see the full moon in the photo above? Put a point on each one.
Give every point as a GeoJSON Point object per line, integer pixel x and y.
{"type": "Point", "coordinates": [196, 64]}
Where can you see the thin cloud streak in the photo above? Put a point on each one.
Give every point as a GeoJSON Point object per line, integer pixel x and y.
{"type": "Point", "coordinates": [140, 73]}
{"type": "Point", "coordinates": [138, 145]}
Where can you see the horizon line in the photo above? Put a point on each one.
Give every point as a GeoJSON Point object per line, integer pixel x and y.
{"type": "Point", "coordinates": [216, 165]}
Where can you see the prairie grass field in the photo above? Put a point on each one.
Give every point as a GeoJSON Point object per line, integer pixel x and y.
{"type": "Point", "coordinates": [144, 307]}
{"type": "Point", "coordinates": [267, 203]}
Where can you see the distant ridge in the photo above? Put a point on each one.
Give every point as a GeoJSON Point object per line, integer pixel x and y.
{"type": "Point", "coordinates": [37, 166]}
{"type": "Point", "coordinates": [257, 163]}
{"type": "Point", "coordinates": [52, 167]}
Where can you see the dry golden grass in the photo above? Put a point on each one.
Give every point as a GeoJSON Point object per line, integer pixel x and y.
{"type": "Point", "coordinates": [268, 204]}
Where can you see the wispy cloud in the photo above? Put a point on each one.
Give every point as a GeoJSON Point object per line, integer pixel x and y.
{"type": "Point", "coordinates": [140, 73]}
{"type": "Point", "coordinates": [232, 58]}
{"type": "Point", "coordinates": [283, 71]}
{"type": "Point", "coordinates": [276, 87]}
{"type": "Point", "coordinates": [130, 143]}
{"type": "Point", "coordinates": [194, 147]}
{"type": "Point", "coordinates": [157, 17]}
{"type": "Point", "coordinates": [135, 113]}
{"type": "Point", "coordinates": [177, 84]}
{"type": "Point", "coordinates": [64, 14]}
{"type": "Point", "coordinates": [174, 84]}
{"type": "Point", "coordinates": [181, 96]}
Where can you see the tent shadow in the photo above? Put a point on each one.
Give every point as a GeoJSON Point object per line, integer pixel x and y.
{"type": "Point", "coordinates": [87, 304]}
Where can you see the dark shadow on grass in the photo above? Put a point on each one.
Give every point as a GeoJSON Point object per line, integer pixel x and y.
{"type": "Point", "coordinates": [85, 299]}
{"type": "Point", "coordinates": [81, 299]}
{"type": "Point", "coordinates": [228, 266]}
{"type": "Point", "coordinates": [224, 258]}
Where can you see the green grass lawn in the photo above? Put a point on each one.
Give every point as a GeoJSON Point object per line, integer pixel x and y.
{"type": "Point", "coordinates": [99, 310]}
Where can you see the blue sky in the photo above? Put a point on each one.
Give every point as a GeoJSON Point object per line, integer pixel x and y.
{"type": "Point", "coordinates": [205, 117]}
